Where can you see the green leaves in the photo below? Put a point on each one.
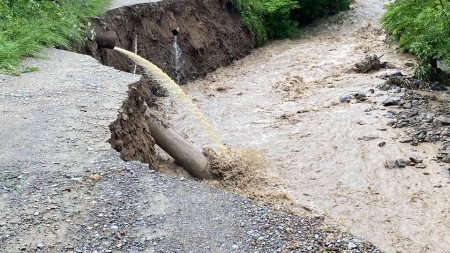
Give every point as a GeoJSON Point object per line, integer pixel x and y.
{"type": "Point", "coordinates": [311, 10]}
{"type": "Point", "coordinates": [262, 17]}
{"type": "Point", "coordinates": [277, 19]}
{"type": "Point", "coordinates": [420, 27]}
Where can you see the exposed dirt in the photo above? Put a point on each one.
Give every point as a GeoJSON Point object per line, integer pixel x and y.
{"type": "Point", "coordinates": [129, 133]}
{"type": "Point", "coordinates": [210, 35]}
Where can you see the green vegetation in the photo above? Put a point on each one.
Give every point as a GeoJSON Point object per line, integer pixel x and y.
{"type": "Point", "coordinates": [420, 27]}
{"type": "Point", "coordinates": [277, 19]}
{"type": "Point", "coordinates": [311, 10]}
{"type": "Point", "coordinates": [28, 26]}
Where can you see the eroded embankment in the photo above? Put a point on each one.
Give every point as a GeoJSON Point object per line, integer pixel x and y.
{"type": "Point", "coordinates": [210, 35]}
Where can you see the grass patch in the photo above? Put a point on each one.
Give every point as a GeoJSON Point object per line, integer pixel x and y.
{"type": "Point", "coordinates": [28, 26]}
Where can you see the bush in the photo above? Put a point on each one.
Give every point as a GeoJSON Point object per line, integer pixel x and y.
{"type": "Point", "coordinates": [277, 19]}
{"type": "Point", "coordinates": [311, 10]}
{"type": "Point", "coordinates": [267, 19]}
{"type": "Point", "coordinates": [420, 27]}
{"type": "Point", "coordinates": [27, 26]}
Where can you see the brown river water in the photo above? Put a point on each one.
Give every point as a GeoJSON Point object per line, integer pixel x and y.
{"type": "Point", "coordinates": [283, 99]}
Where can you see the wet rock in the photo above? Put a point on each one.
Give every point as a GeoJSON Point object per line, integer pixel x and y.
{"type": "Point", "coordinates": [415, 158]}
{"type": "Point", "coordinates": [396, 89]}
{"type": "Point", "coordinates": [406, 139]}
{"type": "Point", "coordinates": [391, 101]}
{"type": "Point", "coordinates": [360, 96]}
{"type": "Point", "coordinates": [392, 164]}
{"type": "Point", "coordinates": [345, 98]}
{"type": "Point", "coordinates": [401, 163]}
{"type": "Point", "coordinates": [420, 166]}
{"type": "Point", "coordinates": [384, 87]}
{"type": "Point", "coordinates": [446, 159]}
{"type": "Point", "coordinates": [438, 87]}
{"type": "Point", "coordinates": [407, 106]}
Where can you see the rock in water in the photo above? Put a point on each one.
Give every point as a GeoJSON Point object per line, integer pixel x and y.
{"type": "Point", "coordinates": [401, 163]}
{"type": "Point", "coordinates": [438, 87]}
{"type": "Point", "coordinates": [420, 166]}
{"type": "Point", "coordinates": [345, 98]}
{"type": "Point", "coordinates": [415, 158]}
{"type": "Point", "coordinates": [392, 164]}
{"type": "Point", "coordinates": [391, 101]}
{"type": "Point", "coordinates": [405, 139]}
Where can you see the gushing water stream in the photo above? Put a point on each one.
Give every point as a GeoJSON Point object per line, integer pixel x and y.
{"type": "Point", "coordinates": [176, 60]}
{"type": "Point", "coordinates": [184, 103]}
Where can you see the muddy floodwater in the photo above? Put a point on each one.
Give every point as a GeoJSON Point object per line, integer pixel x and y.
{"type": "Point", "coordinates": [284, 99]}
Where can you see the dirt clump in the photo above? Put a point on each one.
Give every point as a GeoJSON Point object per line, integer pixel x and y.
{"type": "Point", "coordinates": [130, 134]}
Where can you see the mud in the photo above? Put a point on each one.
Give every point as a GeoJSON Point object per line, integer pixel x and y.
{"type": "Point", "coordinates": [245, 171]}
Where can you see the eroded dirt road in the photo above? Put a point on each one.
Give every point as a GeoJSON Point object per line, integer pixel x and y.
{"type": "Point", "coordinates": [284, 100]}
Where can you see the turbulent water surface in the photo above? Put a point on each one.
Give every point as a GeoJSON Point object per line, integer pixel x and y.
{"type": "Point", "coordinates": [284, 100]}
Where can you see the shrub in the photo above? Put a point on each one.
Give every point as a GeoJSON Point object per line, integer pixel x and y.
{"type": "Point", "coordinates": [311, 10]}
{"type": "Point", "coordinates": [277, 19]}
{"type": "Point", "coordinates": [267, 19]}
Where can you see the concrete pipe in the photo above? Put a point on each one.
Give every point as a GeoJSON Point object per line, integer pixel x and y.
{"type": "Point", "coordinates": [106, 39]}
{"type": "Point", "coordinates": [190, 157]}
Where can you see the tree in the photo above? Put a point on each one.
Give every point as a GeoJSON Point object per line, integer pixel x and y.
{"type": "Point", "coordinates": [420, 27]}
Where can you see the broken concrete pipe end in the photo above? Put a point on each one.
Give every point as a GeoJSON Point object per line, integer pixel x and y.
{"type": "Point", "coordinates": [191, 158]}
{"type": "Point", "coordinates": [106, 40]}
